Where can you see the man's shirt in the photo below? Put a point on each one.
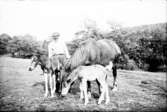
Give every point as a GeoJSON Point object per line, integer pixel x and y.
{"type": "Point", "coordinates": [58, 47]}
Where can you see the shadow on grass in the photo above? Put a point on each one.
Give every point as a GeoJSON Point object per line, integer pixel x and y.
{"type": "Point", "coordinates": [153, 87]}
{"type": "Point", "coordinates": [95, 95]}
{"type": "Point", "coordinates": [74, 91]}
{"type": "Point", "coordinates": [43, 85]}
{"type": "Point", "coordinates": [39, 84]}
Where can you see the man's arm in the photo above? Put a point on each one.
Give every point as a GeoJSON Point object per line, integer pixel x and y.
{"type": "Point", "coordinates": [66, 50]}
{"type": "Point", "coordinates": [50, 52]}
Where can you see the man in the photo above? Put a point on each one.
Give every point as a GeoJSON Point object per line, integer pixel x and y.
{"type": "Point", "coordinates": [57, 46]}
{"type": "Point", "coordinates": [57, 49]}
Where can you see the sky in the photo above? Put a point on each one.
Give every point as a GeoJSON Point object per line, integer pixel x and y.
{"type": "Point", "coordinates": [41, 18]}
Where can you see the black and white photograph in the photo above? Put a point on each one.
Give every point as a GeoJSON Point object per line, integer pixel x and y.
{"type": "Point", "coordinates": [83, 55]}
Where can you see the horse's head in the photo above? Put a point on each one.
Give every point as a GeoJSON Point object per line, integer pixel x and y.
{"type": "Point", "coordinates": [34, 63]}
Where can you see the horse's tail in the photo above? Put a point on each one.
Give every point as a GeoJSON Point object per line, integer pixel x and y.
{"type": "Point", "coordinates": [108, 74]}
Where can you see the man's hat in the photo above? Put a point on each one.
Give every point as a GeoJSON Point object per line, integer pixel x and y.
{"type": "Point", "coordinates": [55, 35]}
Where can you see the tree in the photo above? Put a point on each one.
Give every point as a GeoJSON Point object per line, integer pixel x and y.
{"type": "Point", "coordinates": [23, 46]}
{"type": "Point", "coordinates": [4, 39]}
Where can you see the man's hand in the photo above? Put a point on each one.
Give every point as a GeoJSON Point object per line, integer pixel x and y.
{"type": "Point", "coordinates": [68, 57]}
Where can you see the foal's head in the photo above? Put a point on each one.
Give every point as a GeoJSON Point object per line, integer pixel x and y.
{"type": "Point", "coordinates": [34, 62]}
{"type": "Point", "coordinates": [66, 86]}
{"type": "Point", "coordinates": [69, 80]}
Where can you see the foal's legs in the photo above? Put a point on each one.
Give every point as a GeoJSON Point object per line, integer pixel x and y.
{"type": "Point", "coordinates": [107, 94]}
{"type": "Point", "coordinates": [54, 85]}
{"type": "Point", "coordinates": [83, 87]}
{"type": "Point", "coordinates": [81, 92]}
{"type": "Point", "coordinates": [46, 84]}
{"type": "Point", "coordinates": [101, 96]}
{"type": "Point", "coordinates": [104, 89]}
{"type": "Point", "coordinates": [52, 82]}
{"type": "Point", "coordinates": [115, 78]}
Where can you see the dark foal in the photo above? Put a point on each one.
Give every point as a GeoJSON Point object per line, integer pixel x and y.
{"type": "Point", "coordinates": [52, 72]}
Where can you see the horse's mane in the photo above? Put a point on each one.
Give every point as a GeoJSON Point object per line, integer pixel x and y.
{"type": "Point", "coordinates": [82, 54]}
{"type": "Point", "coordinates": [93, 52]}
{"type": "Point", "coordinates": [77, 58]}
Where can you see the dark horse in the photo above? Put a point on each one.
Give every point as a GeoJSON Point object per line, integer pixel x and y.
{"type": "Point", "coordinates": [52, 71]}
{"type": "Point", "coordinates": [104, 52]}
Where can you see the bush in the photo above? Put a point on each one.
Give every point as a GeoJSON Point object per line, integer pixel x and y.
{"type": "Point", "coordinates": [20, 46]}
{"type": "Point", "coordinates": [131, 65]}
{"type": "Point", "coordinates": [4, 39]}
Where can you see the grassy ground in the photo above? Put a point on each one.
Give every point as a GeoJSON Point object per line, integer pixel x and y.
{"type": "Point", "coordinates": [22, 90]}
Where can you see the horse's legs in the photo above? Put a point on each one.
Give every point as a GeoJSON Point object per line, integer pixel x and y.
{"type": "Point", "coordinates": [46, 84]}
{"type": "Point", "coordinates": [115, 78]}
{"type": "Point", "coordinates": [51, 84]}
{"type": "Point", "coordinates": [102, 95]}
{"type": "Point", "coordinates": [113, 67]}
{"type": "Point", "coordinates": [60, 80]}
{"type": "Point", "coordinates": [54, 84]}
{"type": "Point", "coordinates": [89, 88]}
{"type": "Point", "coordinates": [57, 82]}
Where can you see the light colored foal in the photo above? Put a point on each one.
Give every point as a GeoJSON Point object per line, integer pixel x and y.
{"type": "Point", "coordinates": [89, 73]}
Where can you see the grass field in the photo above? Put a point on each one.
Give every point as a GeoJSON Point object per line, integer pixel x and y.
{"type": "Point", "coordinates": [22, 90]}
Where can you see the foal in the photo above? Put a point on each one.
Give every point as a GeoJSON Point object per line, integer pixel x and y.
{"type": "Point", "coordinates": [89, 73]}
{"type": "Point", "coordinates": [51, 69]}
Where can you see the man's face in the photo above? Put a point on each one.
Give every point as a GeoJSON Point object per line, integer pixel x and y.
{"type": "Point", "coordinates": [54, 39]}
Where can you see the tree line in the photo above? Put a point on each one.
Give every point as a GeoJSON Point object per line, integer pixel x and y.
{"type": "Point", "coordinates": [19, 46]}
{"type": "Point", "coordinates": [144, 47]}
